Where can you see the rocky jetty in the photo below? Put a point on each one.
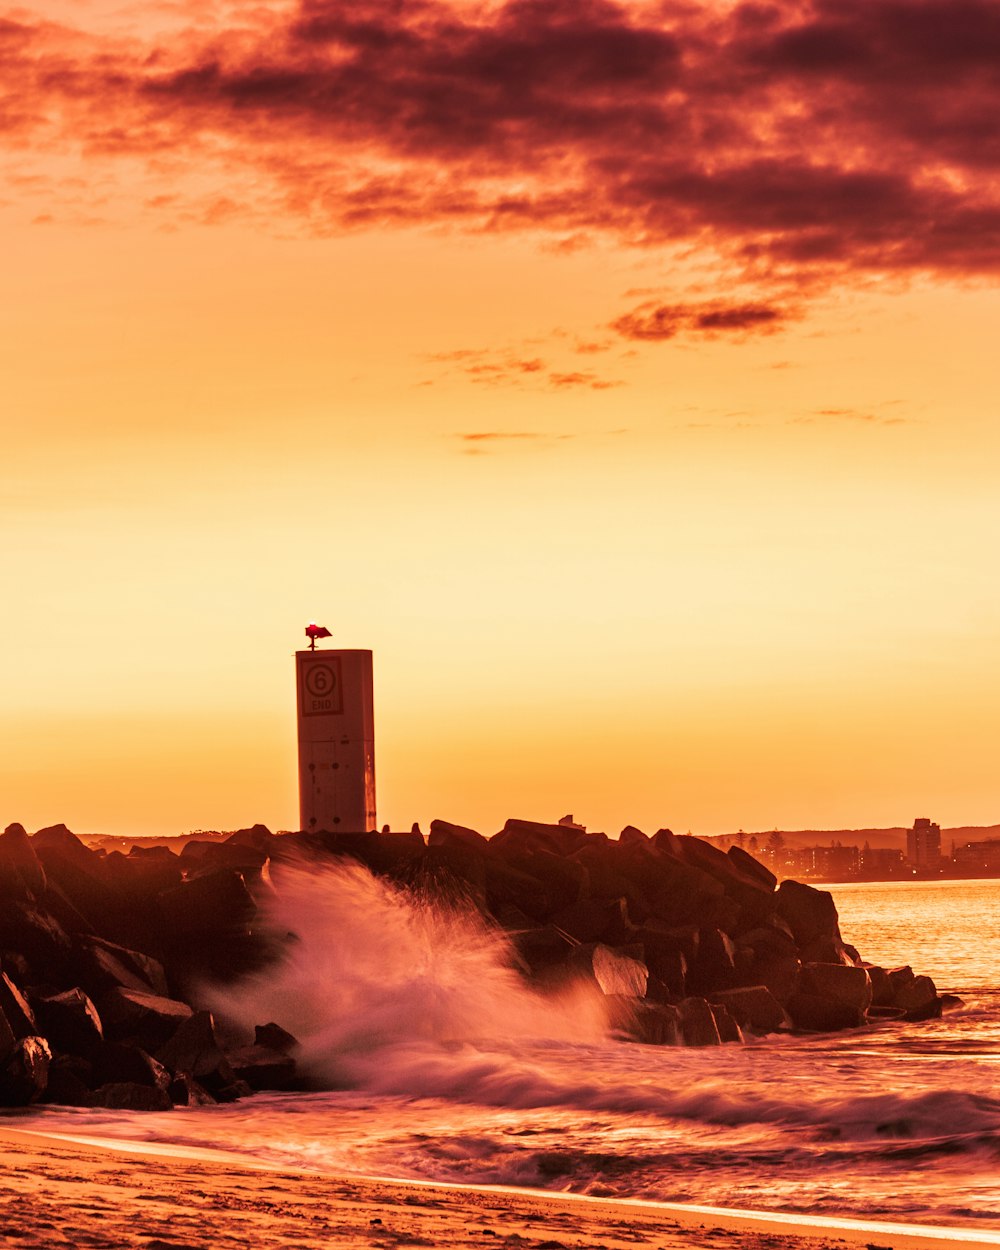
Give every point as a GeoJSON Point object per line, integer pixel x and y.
{"type": "Point", "coordinates": [102, 954]}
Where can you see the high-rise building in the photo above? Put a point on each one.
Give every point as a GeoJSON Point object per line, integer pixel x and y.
{"type": "Point", "coordinates": [923, 844]}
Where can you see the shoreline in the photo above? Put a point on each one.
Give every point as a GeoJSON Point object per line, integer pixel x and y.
{"type": "Point", "coordinates": [158, 1196]}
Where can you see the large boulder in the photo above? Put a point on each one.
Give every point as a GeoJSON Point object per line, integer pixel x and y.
{"type": "Point", "coordinates": [520, 836]}
{"type": "Point", "coordinates": [105, 965]}
{"type": "Point", "coordinates": [729, 1030]}
{"type": "Point", "coordinates": [753, 1007]}
{"type": "Point", "coordinates": [443, 833]}
{"type": "Point", "coordinates": [123, 1064]}
{"type": "Point", "coordinates": [21, 872]}
{"type": "Point", "coordinates": [261, 1067]}
{"type": "Point", "coordinates": [915, 995]}
{"type": "Point", "coordinates": [71, 1023]}
{"type": "Point", "coordinates": [148, 1019]}
{"type": "Point", "coordinates": [16, 1009]}
{"type": "Point", "coordinates": [810, 914]}
{"type": "Point", "coordinates": [195, 1051]}
{"type": "Point", "coordinates": [839, 982]}
{"type": "Point", "coordinates": [698, 1023]}
{"type": "Point", "coordinates": [218, 901]}
{"type": "Point", "coordinates": [613, 971]}
{"type": "Point", "coordinates": [636, 1020]}
{"type": "Point", "coordinates": [751, 867]}
{"type": "Point", "coordinates": [714, 966]}
{"type": "Point", "coordinates": [79, 873]}
{"type": "Point", "coordinates": [814, 1013]}
{"type": "Point", "coordinates": [24, 1072]}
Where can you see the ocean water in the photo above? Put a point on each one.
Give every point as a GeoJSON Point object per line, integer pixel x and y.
{"type": "Point", "coordinates": [439, 1065]}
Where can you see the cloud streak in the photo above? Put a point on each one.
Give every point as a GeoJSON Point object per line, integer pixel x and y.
{"type": "Point", "coordinates": [801, 145]}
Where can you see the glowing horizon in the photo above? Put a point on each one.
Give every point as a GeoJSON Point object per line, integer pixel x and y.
{"type": "Point", "coordinates": [620, 374]}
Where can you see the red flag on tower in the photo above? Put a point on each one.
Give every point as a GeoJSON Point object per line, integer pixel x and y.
{"type": "Point", "coordinates": [313, 632]}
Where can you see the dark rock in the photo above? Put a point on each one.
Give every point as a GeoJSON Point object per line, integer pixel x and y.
{"type": "Point", "coordinates": [186, 1092]}
{"type": "Point", "coordinates": [444, 834]}
{"type": "Point", "coordinates": [665, 959]}
{"type": "Point", "coordinates": [637, 1020]}
{"type": "Point", "coordinates": [78, 872]}
{"type": "Point", "coordinates": [543, 949]}
{"type": "Point", "coordinates": [195, 1050]}
{"type": "Point", "coordinates": [811, 914]}
{"type": "Point", "coordinates": [631, 834]}
{"type": "Point", "coordinates": [751, 867]}
{"type": "Point", "coordinates": [32, 930]}
{"type": "Point", "coordinates": [274, 1037]}
{"type": "Point", "coordinates": [67, 1084]}
{"type": "Point", "coordinates": [729, 1030]}
{"type": "Point", "coordinates": [825, 951]}
{"type": "Point", "coordinates": [120, 1063]}
{"type": "Point", "coordinates": [24, 1072]}
{"type": "Point", "coordinates": [613, 971]}
{"type": "Point", "coordinates": [205, 857]}
{"type": "Point", "coordinates": [208, 904]}
{"type": "Point", "coordinates": [713, 967]}
{"type": "Point", "coordinates": [141, 875]}
{"type": "Point", "coordinates": [71, 1023]}
{"type": "Point", "coordinates": [881, 986]}
{"type": "Point", "coordinates": [16, 1009]}
{"type": "Point", "coordinates": [778, 971]}
{"type": "Point", "coordinates": [815, 1014]}
{"type": "Point", "coordinates": [263, 1068]}
{"type": "Point", "coordinates": [105, 965]}
{"type": "Point", "coordinates": [590, 920]}
{"type": "Point", "coordinates": [520, 836]}
{"type": "Point", "coordinates": [7, 1038]}
{"type": "Point", "coordinates": [840, 982]}
{"type": "Point", "coordinates": [507, 886]}
{"type": "Point", "coordinates": [258, 836]}
{"type": "Point", "coordinates": [564, 880]}
{"type": "Point", "coordinates": [753, 1007]}
{"type": "Point", "coordinates": [918, 998]}
{"type": "Point", "coordinates": [610, 876]}
{"type": "Point", "coordinates": [748, 891]}
{"type": "Point", "coordinates": [698, 1024]}
{"type": "Point", "coordinates": [137, 1016]}
{"type": "Point", "coordinates": [128, 1096]}
{"type": "Point", "coordinates": [21, 872]}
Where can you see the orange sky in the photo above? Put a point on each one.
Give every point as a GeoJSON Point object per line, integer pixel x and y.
{"type": "Point", "coordinates": [622, 375]}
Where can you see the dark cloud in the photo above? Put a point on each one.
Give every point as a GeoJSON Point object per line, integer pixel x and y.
{"type": "Point", "coordinates": [801, 145]}
{"type": "Point", "coordinates": [654, 322]}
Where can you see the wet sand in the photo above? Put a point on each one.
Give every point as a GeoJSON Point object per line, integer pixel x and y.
{"type": "Point", "coordinates": [57, 1192]}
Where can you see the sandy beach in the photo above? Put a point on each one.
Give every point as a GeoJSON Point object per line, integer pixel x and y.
{"type": "Point", "coordinates": [61, 1192]}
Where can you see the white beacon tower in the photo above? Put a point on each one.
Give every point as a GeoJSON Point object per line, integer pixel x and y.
{"type": "Point", "coordinates": [336, 738]}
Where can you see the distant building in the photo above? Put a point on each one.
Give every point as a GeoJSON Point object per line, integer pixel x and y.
{"type": "Point", "coordinates": [979, 855]}
{"type": "Point", "coordinates": [923, 844]}
{"type": "Point", "coordinates": [830, 862]}
{"type": "Point", "coordinates": [880, 861]}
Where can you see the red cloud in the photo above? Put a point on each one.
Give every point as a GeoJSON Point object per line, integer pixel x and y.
{"type": "Point", "coordinates": [654, 322]}
{"type": "Point", "coordinates": [801, 143]}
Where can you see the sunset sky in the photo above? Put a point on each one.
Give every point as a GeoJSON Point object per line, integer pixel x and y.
{"type": "Point", "coordinates": [623, 375]}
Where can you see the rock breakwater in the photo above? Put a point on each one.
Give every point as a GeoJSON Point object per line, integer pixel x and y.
{"type": "Point", "coordinates": [104, 957]}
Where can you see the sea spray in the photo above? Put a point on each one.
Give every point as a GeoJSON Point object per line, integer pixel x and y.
{"type": "Point", "coordinates": [370, 967]}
